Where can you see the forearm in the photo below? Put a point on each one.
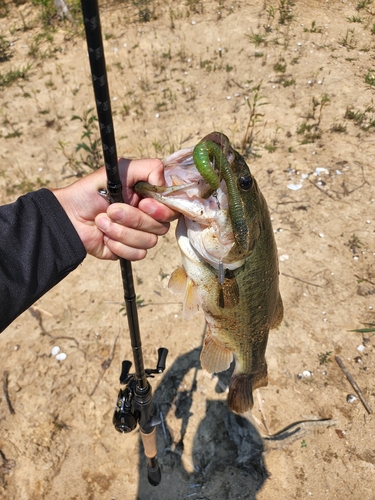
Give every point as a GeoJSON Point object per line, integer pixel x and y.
{"type": "Point", "coordinates": [38, 248]}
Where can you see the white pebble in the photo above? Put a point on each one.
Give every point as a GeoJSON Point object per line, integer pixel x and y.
{"type": "Point", "coordinates": [61, 356]}
{"type": "Point", "coordinates": [55, 350]}
{"type": "Point", "coordinates": [321, 170]}
{"type": "Point", "coordinates": [361, 348]}
{"type": "Point", "coordinates": [284, 257]}
{"type": "Point", "coordinates": [294, 187]}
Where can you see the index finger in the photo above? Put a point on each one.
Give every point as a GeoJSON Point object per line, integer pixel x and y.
{"type": "Point", "coordinates": [133, 171]}
{"type": "Point", "coordinates": [157, 210]}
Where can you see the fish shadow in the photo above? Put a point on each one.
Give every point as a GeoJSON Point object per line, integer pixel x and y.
{"type": "Point", "coordinates": [226, 459]}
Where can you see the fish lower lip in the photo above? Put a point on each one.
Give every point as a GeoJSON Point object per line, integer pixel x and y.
{"type": "Point", "coordinates": [146, 188]}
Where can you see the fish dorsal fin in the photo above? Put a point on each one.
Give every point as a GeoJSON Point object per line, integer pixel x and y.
{"type": "Point", "coordinates": [178, 280]}
{"type": "Point", "coordinates": [215, 357]}
{"type": "Point", "coordinates": [228, 293]}
{"type": "Point", "coordinates": [180, 283]}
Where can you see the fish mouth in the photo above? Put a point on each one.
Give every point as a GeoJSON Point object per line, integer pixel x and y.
{"type": "Point", "coordinates": [186, 191]}
{"type": "Point", "coordinates": [214, 227]}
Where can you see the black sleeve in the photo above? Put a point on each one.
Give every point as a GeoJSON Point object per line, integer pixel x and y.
{"type": "Point", "coordinates": [39, 246]}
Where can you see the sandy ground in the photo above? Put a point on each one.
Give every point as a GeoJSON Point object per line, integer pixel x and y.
{"type": "Point", "coordinates": [178, 72]}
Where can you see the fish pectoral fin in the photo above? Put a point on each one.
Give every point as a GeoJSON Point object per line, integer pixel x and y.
{"type": "Point", "coordinates": [215, 357]}
{"type": "Point", "coordinates": [191, 300]}
{"type": "Point", "coordinates": [228, 293]}
{"type": "Point", "coordinates": [178, 281]}
{"type": "Point", "coordinates": [241, 387]}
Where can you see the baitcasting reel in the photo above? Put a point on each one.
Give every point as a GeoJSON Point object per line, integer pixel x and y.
{"type": "Point", "coordinates": [133, 400]}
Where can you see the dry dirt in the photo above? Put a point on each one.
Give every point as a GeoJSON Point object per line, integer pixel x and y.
{"type": "Point", "coordinates": [178, 71]}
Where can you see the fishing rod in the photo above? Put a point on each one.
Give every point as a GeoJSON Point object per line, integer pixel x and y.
{"type": "Point", "coordinates": [134, 402]}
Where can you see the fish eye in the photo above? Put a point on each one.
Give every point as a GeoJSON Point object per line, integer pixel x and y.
{"type": "Point", "coordinates": [246, 181]}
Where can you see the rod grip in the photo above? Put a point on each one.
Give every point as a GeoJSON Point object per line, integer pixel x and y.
{"type": "Point", "coordinates": [149, 443]}
{"type": "Point", "coordinates": [153, 468]}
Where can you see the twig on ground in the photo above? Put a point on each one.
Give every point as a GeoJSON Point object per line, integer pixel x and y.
{"type": "Point", "coordinates": [36, 313]}
{"type": "Point", "coordinates": [6, 464]}
{"type": "Point", "coordinates": [105, 365]}
{"type": "Point", "coordinates": [6, 394]}
{"type": "Point", "coordinates": [354, 384]}
{"type": "Point", "coordinates": [364, 279]}
{"type": "Point", "coordinates": [260, 403]}
{"type": "Point", "coordinates": [299, 279]}
{"type": "Point", "coordinates": [294, 432]}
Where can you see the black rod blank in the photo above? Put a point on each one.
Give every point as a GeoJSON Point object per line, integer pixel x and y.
{"type": "Point", "coordinates": [95, 47]}
{"type": "Point", "coordinates": [143, 391]}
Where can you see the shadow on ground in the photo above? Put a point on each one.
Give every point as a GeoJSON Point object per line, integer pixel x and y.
{"type": "Point", "coordinates": [227, 449]}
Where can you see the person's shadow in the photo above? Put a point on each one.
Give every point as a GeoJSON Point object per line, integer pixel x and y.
{"type": "Point", "coordinates": [227, 448]}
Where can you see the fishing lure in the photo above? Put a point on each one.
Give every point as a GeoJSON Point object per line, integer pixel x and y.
{"type": "Point", "coordinates": [209, 157]}
{"type": "Point", "coordinates": [205, 154]}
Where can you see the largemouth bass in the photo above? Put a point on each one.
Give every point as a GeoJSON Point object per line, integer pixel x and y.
{"type": "Point", "coordinates": [229, 259]}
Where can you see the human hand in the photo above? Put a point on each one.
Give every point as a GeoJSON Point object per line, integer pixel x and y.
{"type": "Point", "coordinates": [124, 230]}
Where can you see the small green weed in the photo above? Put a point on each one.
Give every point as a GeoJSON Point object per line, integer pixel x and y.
{"type": "Point", "coordinates": [289, 83]}
{"type": "Point", "coordinates": [146, 12]}
{"type": "Point", "coordinates": [311, 131]}
{"type": "Point", "coordinates": [271, 148]}
{"type": "Point", "coordinates": [339, 128]}
{"type": "Point", "coordinates": [280, 66]}
{"type": "Point", "coordinates": [140, 302]}
{"type": "Point", "coordinates": [285, 11]}
{"type": "Point", "coordinates": [371, 329]}
{"type": "Point", "coordinates": [39, 48]}
{"type": "Point", "coordinates": [6, 79]}
{"type": "Point", "coordinates": [24, 184]}
{"type": "Point", "coordinates": [5, 53]}
{"type": "Point", "coordinates": [258, 39]}
{"type": "Point", "coordinates": [354, 243]}
{"type": "Point", "coordinates": [254, 117]}
{"type": "Point", "coordinates": [348, 41]}
{"type": "Point", "coordinates": [370, 77]}
{"type": "Point", "coordinates": [91, 144]}
{"type": "Point", "coordinates": [324, 357]}
{"type": "Point", "coordinates": [355, 19]}
{"type": "Point", "coordinates": [363, 4]}
{"type": "Point", "coordinates": [313, 29]}
{"type": "Point", "coordinates": [15, 132]}
{"type": "Point", "coordinates": [364, 119]}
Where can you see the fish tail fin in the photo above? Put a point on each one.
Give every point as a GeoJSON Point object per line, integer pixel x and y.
{"type": "Point", "coordinates": [241, 387]}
